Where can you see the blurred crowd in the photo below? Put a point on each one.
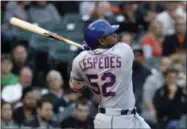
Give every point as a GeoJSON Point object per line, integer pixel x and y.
{"type": "Point", "coordinates": [35, 71]}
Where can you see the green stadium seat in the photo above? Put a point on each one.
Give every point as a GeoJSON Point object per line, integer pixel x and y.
{"type": "Point", "coordinates": [61, 52]}
{"type": "Point", "coordinates": [73, 22]}
{"type": "Point", "coordinates": [72, 17]}
{"type": "Point", "coordinates": [23, 35]}
{"type": "Point", "coordinates": [75, 36]}
{"type": "Point", "coordinates": [40, 43]}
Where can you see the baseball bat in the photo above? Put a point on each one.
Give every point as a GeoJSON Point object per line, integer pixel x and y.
{"type": "Point", "coordinates": [41, 31]}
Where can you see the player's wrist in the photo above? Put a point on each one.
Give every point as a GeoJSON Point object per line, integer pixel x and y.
{"type": "Point", "coordinates": [85, 46]}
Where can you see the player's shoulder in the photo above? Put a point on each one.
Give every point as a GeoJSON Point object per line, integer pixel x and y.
{"type": "Point", "coordinates": [122, 45]}
{"type": "Point", "coordinates": [80, 56]}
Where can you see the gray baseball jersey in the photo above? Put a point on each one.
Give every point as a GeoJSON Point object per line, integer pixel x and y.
{"type": "Point", "coordinates": [108, 73]}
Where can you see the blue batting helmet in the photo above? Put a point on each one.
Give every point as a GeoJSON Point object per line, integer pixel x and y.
{"type": "Point", "coordinates": [97, 30]}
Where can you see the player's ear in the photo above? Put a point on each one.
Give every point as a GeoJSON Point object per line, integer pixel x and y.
{"type": "Point", "coordinates": [102, 42]}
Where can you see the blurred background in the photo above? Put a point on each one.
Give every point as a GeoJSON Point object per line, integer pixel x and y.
{"type": "Point", "coordinates": [35, 70]}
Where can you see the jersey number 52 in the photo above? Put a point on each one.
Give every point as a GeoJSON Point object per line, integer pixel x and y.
{"type": "Point", "coordinates": [94, 79]}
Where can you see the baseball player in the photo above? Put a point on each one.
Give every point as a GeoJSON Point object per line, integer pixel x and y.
{"type": "Point", "coordinates": [107, 70]}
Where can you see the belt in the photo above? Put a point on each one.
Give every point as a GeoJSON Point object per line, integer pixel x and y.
{"type": "Point", "coordinates": [119, 112]}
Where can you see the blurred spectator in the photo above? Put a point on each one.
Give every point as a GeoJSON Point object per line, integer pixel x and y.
{"type": "Point", "coordinates": [152, 41]}
{"type": "Point", "coordinates": [176, 42]}
{"type": "Point", "coordinates": [56, 94]}
{"type": "Point", "coordinates": [140, 73]}
{"type": "Point", "coordinates": [181, 77]}
{"type": "Point", "coordinates": [81, 117]}
{"type": "Point", "coordinates": [25, 77]}
{"type": "Point", "coordinates": [86, 7]}
{"type": "Point", "coordinates": [126, 37]}
{"type": "Point", "coordinates": [20, 55]}
{"type": "Point", "coordinates": [170, 102]}
{"type": "Point", "coordinates": [167, 17]}
{"type": "Point", "coordinates": [179, 57]}
{"type": "Point", "coordinates": [6, 116]}
{"type": "Point", "coordinates": [25, 111]}
{"type": "Point", "coordinates": [7, 78]}
{"type": "Point", "coordinates": [43, 119]}
{"type": "Point", "coordinates": [152, 83]}
{"type": "Point", "coordinates": [42, 12]}
{"type": "Point", "coordinates": [101, 12]}
{"type": "Point", "coordinates": [146, 13]}
{"type": "Point", "coordinates": [13, 93]}
{"type": "Point", "coordinates": [128, 10]}
{"type": "Point", "coordinates": [17, 10]}
{"type": "Point", "coordinates": [181, 10]}
{"type": "Point", "coordinates": [149, 18]}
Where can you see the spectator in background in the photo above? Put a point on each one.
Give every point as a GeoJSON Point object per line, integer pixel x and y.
{"type": "Point", "coordinates": [25, 77]}
{"type": "Point", "coordinates": [181, 76]}
{"type": "Point", "coordinates": [128, 10]}
{"type": "Point", "coordinates": [43, 118]}
{"type": "Point", "coordinates": [81, 117]}
{"type": "Point", "coordinates": [86, 7]}
{"type": "Point", "coordinates": [101, 12]}
{"type": "Point", "coordinates": [180, 57]}
{"type": "Point", "coordinates": [146, 13]}
{"type": "Point", "coordinates": [17, 10]}
{"type": "Point", "coordinates": [42, 13]}
{"type": "Point", "coordinates": [20, 55]}
{"type": "Point", "coordinates": [169, 101]}
{"type": "Point", "coordinates": [25, 111]}
{"type": "Point", "coordinates": [126, 37]}
{"type": "Point", "coordinates": [168, 16]}
{"type": "Point", "coordinates": [56, 93]}
{"type": "Point", "coordinates": [13, 93]}
{"type": "Point", "coordinates": [7, 78]}
{"type": "Point", "coordinates": [6, 116]}
{"type": "Point", "coordinates": [140, 73]}
{"type": "Point", "coordinates": [152, 40]}
{"type": "Point", "coordinates": [181, 10]}
{"type": "Point", "coordinates": [149, 18]}
{"type": "Point", "coordinates": [176, 42]}
{"type": "Point", "coordinates": [152, 83]}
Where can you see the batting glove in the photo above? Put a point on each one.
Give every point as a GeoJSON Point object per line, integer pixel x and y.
{"type": "Point", "coordinates": [85, 46]}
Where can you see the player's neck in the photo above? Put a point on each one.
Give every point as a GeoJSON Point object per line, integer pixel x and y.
{"type": "Point", "coordinates": [104, 46]}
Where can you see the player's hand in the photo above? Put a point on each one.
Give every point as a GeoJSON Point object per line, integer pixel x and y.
{"type": "Point", "coordinates": [85, 46]}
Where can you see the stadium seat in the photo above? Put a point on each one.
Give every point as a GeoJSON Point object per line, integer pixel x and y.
{"type": "Point", "coordinates": [40, 43]}
{"type": "Point", "coordinates": [73, 22]}
{"type": "Point", "coordinates": [61, 52]}
{"type": "Point", "coordinates": [75, 36]}
{"type": "Point", "coordinates": [72, 17]}
{"type": "Point", "coordinates": [23, 35]}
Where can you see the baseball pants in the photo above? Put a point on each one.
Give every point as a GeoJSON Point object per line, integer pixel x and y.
{"type": "Point", "coordinates": [113, 121]}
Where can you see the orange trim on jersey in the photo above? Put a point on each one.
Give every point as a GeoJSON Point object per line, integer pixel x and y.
{"type": "Point", "coordinates": [76, 89]}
